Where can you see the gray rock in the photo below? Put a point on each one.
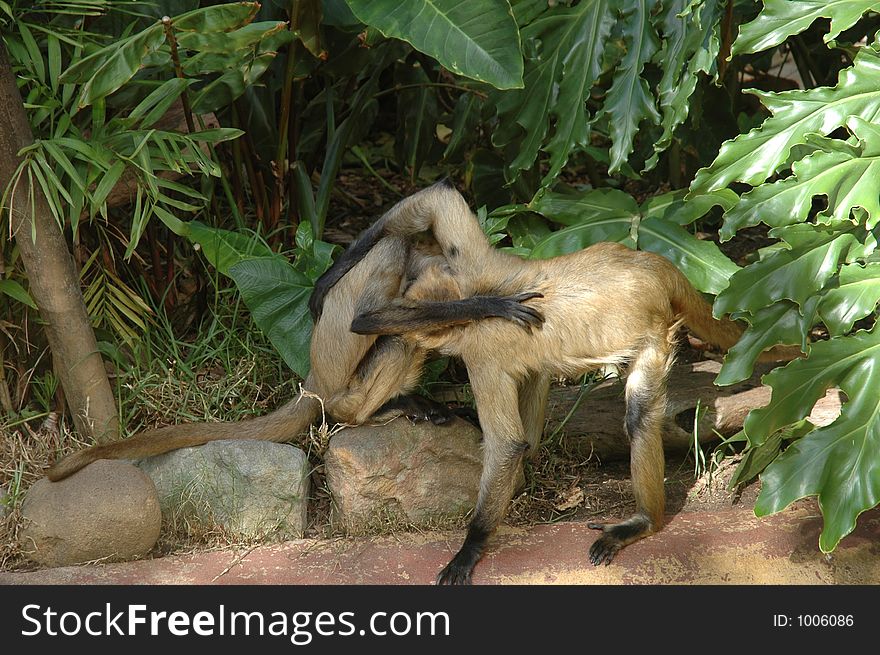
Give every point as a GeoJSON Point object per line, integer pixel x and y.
{"type": "Point", "coordinates": [249, 488]}
{"type": "Point", "coordinates": [109, 511]}
{"type": "Point", "coordinates": [402, 471]}
{"type": "Point", "coordinates": [5, 503]}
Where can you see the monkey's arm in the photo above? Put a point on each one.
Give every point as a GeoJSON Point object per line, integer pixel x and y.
{"type": "Point", "coordinates": [402, 316]}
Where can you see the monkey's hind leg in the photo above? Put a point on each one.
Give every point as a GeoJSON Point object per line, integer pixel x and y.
{"type": "Point", "coordinates": [645, 405]}
{"type": "Point", "coordinates": [503, 446]}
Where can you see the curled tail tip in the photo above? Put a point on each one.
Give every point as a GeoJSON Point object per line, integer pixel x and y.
{"type": "Point", "coordinates": [67, 466]}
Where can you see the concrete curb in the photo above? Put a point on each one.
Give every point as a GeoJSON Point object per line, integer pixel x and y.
{"type": "Point", "coordinates": [723, 547]}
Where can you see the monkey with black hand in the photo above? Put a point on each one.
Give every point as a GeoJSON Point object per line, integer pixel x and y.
{"type": "Point", "coordinates": [359, 378]}
{"type": "Point", "coordinates": [604, 305]}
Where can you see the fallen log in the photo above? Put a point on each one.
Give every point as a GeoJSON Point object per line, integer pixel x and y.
{"type": "Point", "coordinates": [596, 425]}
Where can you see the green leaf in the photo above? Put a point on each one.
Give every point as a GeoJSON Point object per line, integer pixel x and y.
{"type": "Point", "coordinates": [277, 296]}
{"type": "Point", "coordinates": [672, 206]}
{"type": "Point", "coordinates": [217, 18]}
{"type": "Point", "coordinates": [843, 173]}
{"type": "Point", "coordinates": [629, 100]}
{"type": "Point", "coordinates": [216, 135]}
{"type": "Point", "coordinates": [465, 125]}
{"type": "Point", "coordinates": [417, 113]}
{"type": "Point", "coordinates": [838, 462]}
{"type": "Point", "coordinates": [231, 84]}
{"type": "Point", "coordinates": [223, 248]}
{"type": "Point", "coordinates": [478, 39]}
{"type": "Point", "coordinates": [229, 42]}
{"type": "Point", "coordinates": [702, 262]}
{"type": "Point", "coordinates": [855, 297]}
{"type": "Point", "coordinates": [105, 71]}
{"type": "Point", "coordinates": [598, 215]}
{"type": "Point", "coordinates": [756, 459]}
{"type": "Point", "coordinates": [612, 215]}
{"type": "Point", "coordinates": [797, 272]}
{"type": "Point", "coordinates": [780, 323]}
{"type": "Point", "coordinates": [571, 43]}
{"type": "Point", "coordinates": [690, 46]}
{"type": "Point", "coordinates": [581, 67]}
{"type": "Point", "coordinates": [156, 104]}
{"type": "Point", "coordinates": [755, 156]}
{"type": "Point", "coordinates": [17, 292]}
{"type": "Point", "coordinates": [780, 19]}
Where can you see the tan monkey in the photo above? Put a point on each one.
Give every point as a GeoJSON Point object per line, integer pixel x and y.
{"type": "Point", "coordinates": [605, 304]}
{"type": "Point", "coordinates": [359, 378]}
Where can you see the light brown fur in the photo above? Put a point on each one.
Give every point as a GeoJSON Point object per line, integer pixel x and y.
{"type": "Point", "coordinates": [605, 304]}
{"type": "Point", "coordinates": [352, 379]}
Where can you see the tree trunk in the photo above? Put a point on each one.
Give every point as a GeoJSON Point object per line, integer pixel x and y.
{"type": "Point", "coordinates": [52, 278]}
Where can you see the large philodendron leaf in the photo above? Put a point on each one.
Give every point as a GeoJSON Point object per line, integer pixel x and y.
{"type": "Point", "coordinates": [612, 215]}
{"type": "Point", "coordinates": [755, 156]}
{"type": "Point", "coordinates": [629, 100]}
{"type": "Point", "coordinates": [856, 296]}
{"type": "Point", "coordinates": [798, 272]}
{"type": "Point", "coordinates": [780, 323]}
{"type": "Point", "coordinates": [278, 295]}
{"type": "Point", "coordinates": [839, 463]}
{"type": "Point", "coordinates": [569, 44]}
{"type": "Point", "coordinates": [780, 19]}
{"type": "Point", "coordinates": [845, 174]}
{"type": "Point", "coordinates": [478, 39]}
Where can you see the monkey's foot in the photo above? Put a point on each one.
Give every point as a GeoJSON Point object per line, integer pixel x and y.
{"type": "Point", "coordinates": [617, 535]}
{"type": "Point", "coordinates": [513, 309]}
{"type": "Point", "coordinates": [416, 408]}
{"type": "Point", "coordinates": [460, 569]}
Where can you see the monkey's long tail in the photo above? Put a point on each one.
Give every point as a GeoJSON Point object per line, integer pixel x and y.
{"type": "Point", "coordinates": [283, 424]}
{"type": "Point", "coordinates": [697, 314]}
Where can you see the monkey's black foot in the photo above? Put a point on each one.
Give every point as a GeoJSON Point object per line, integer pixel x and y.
{"type": "Point", "coordinates": [416, 408]}
{"type": "Point", "coordinates": [513, 309]}
{"type": "Point", "coordinates": [617, 535]}
{"type": "Point", "coordinates": [469, 414]}
{"type": "Point", "coordinates": [459, 570]}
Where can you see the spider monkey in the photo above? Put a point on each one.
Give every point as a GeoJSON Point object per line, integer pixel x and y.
{"type": "Point", "coordinates": [605, 304]}
{"type": "Point", "coordinates": [359, 378]}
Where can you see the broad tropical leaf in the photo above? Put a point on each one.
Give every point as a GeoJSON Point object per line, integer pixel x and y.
{"type": "Point", "coordinates": [780, 323]}
{"type": "Point", "coordinates": [753, 157]}
{"type": "Point", "coordinates": [798, 272]}
{"type": "Point", "coordinates": [781, 19]}
{"type": "Point", "coordinates": [845, 174]}
{"type": "Point", "coordinates": [478, 39]}
{"type": "Point", "coordinates": [629, 101]}
{"type": "Point", "coordinates": [839, 462]}
{"type": "Point", "coordinates": [856, 296]}
{"type": "Point", "coordinates": [656, 226]}
{"type": "Point", "coordinates": [277, 295]}
{"type": "Point", "coordinates": [570, 43]}
{"type": "Point", "coordinates": [689, 47]}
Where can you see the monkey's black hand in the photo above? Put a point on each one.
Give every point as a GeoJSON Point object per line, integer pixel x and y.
{"type": "Point", "coordinates": [513, 309]}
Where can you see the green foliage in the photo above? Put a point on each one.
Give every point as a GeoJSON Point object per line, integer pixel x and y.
{"type": "Point", "coordinates": [819, 144]}
{"type": "Point", "coordinates": [656, 226]}
{"type": "Point", "coordinates": [781, 19]}
{"type": "Point", "coordinates": [765, 150]}
{"type": "Point", "coordinates": [477, 39]}
{"type": "Point", "coordinates": [571, 52]}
